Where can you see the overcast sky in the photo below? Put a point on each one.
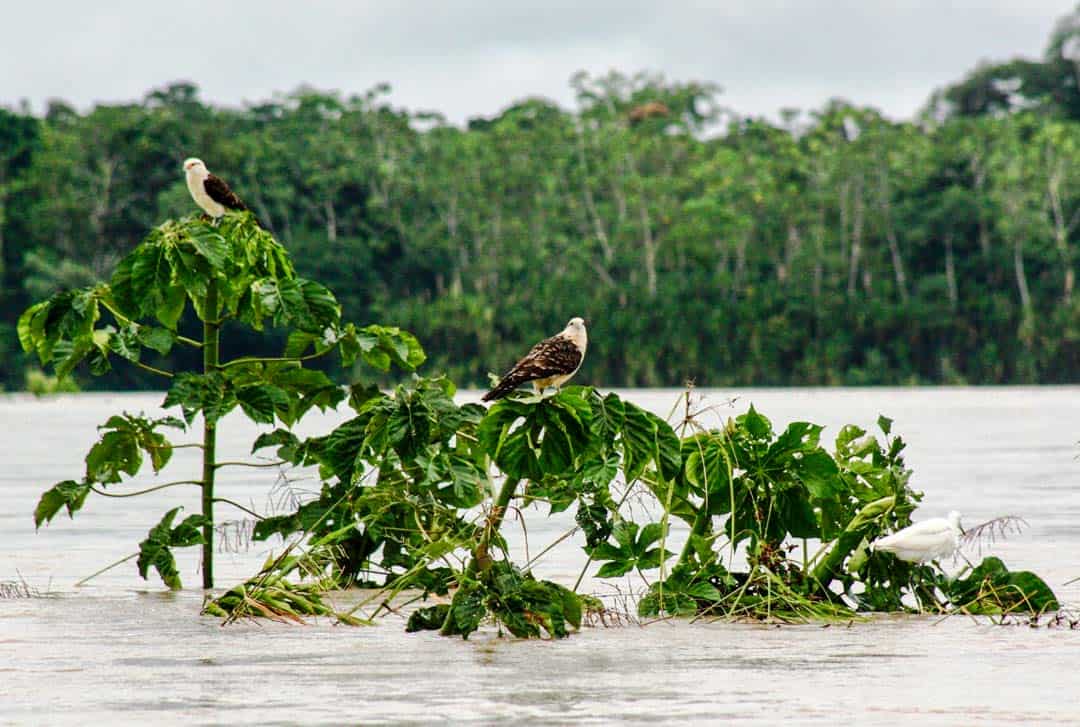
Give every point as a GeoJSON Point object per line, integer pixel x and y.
{"type": "Point", "coordinates": [474, 58]}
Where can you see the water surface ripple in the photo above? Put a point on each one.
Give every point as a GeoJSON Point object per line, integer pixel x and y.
{"type": "Point", "coordinates": [124, 651]}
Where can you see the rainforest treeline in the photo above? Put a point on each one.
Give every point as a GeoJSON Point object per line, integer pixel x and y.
{"type": "Point", "coordinates": [832, 247]}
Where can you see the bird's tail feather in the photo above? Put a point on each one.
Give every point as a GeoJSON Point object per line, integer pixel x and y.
{"type": "Point", "coordinates": [503, 389]}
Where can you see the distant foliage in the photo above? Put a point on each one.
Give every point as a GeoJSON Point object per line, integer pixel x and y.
{"type": "Point", "coordinates": [837, 247]}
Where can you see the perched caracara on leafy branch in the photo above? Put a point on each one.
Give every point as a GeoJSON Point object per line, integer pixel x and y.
{"type": "Point", "coordinates": [210, 192]}
{"type": "Point", "coordinates": [549, 363]}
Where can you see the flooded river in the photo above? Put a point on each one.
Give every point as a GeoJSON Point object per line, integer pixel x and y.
{"type": "Point", "coordinates": [122, 650]}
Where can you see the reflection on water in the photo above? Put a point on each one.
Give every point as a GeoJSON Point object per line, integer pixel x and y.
{"type": "Point", "coordinates": [123, 650]}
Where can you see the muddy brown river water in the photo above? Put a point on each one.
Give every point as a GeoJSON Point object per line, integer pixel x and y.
{"type": "Point", "coordinates": [121, 650]}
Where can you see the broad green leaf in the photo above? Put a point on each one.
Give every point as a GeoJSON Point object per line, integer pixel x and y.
{"type": "Point", "coordinates": [156, 551]}
{"type": "Point", "coordinates": [615, 568]}
{"type": "Point", "coordinates": [171, 307]}
{"type": "Point", "coordinates": [651, 533]}
{"type": "Point", "coordinates": [210, 245]}
{"type": "Point", "coordinates": [115, 453]}
{"type": "Point", "coordinates": [27, 337]}
{"type": "Point", "coordinates": [638, 441]}
{"type": "Point", "coordinates": [69, 494]}
{"type": "Point", "coordinates": [260, 402]}
{"type": "Point", "coordinates": [125, 343]}
{"type": "Point", "coordinates": [158, 339]}
{"type": "Point", "coordinates": [206, 393]}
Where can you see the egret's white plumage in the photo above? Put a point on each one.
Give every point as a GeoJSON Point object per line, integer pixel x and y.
{"type": "Point", "coordinates": [923, 541]}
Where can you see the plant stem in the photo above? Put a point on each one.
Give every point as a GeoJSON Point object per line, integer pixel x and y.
{"type": "Point", "coordinates": [211, 361]}
{"type": "Point", "coordinates": [124, 319]}
{"type": "Point", "coordinates": [481, 561]}
{"type": "Point", "coordinates": [148, 489]}
{"type": "Point", "coordinates": [252, 464]}
{"type": "Point", "coordinates": [274, 359]}
{"type": "Point", "coordinates": [702, 521]}
{"type": "Point", "coordinates": [106, 568]}
{"type": "Point", "coordinates": [238, 506]}
{"type": "Point", "coordinates": [153, 370]}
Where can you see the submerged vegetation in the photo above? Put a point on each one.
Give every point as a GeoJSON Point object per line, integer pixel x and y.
{"type": "Point", "coordinates": [233, 276]}
{"type": "Point", "coordinates": [415, 487]}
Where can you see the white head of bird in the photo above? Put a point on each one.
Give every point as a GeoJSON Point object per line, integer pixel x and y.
{"type": "Point", "coordinates": [195, 168]}
{"type": "Point", "coordinates": [924, 541]}
{"type": "Point", "coordinates": [575, 331]}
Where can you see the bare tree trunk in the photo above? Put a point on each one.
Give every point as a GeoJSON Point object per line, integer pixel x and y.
{"type": "Point", "coordinates": [590, 202]}
{"type": "Point", "coordinates": [650, 250]}
{"type": "Point", "coordinates": [331, 220]}
{"type": "Point", "coordinates": [950, 273]}
{"type": "Point", "coordinates": [890, 235]}
{"type": "Point", "coordinates": [791, 249]}
{"type": "Point", "coordinates": [856, 239]}
{"type": "Point", "coordinates": [740, 263]}
{"type": "Point", "coordinates": [819, 262]}
{"type": "Point", "coordinates": [101, 206]}
{"type": "Point", "coordinates": [979, 174]}
{"type": "Point", "coordinates": [1061, 233]}
{"type": "Point", "coordinates": [1012, 209]}
{"type": "Point", "coordinates": [723, 260]}
{"type": "Point", "coordinates": [845, 221]}
{"type": "Point", "coordinates": [1021, 277]}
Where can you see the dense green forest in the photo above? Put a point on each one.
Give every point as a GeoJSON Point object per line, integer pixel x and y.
{"type": "Point", "coordinates": [835, 247]}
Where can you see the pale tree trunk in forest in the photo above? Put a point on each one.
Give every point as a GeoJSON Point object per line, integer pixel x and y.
{"type": "Point", "coordinates": [486, 278]}
{"type": "Point", "coordinates": [819, 262]}
{"type": "Point", "coordinates": [1012, 209]}
{"type": "Point", "coordinates": [856, 237]}
{"type": "Point", "coordinates": [723, 261]}
{"type": "Point", "coordinates": [845, 221]}
{"type": "Point", "coordinates": [647, 239]}
{"type": "Point", "coordinates": [601, 267]}
{"type": "Point", "coordinates": [590, 202]}
{"type": "Point", "coordinates": [331, 220]}
{"type": "Point", "coordinates": [740, 263]}
{"type": "Point", "coordinates": [101, 205]}
{"type": "Point", "coordinates": [950, 273]}
{"type": "Point", "coordinates": [819, 239]}
{"type": "Point", "coordinates": [978, 172]}
{"type": "Point", "coordinates": [1061, 233]}
{"type": "Point", "coordinates": [791, 249]}
{"type": "Point", "coordinates": [890, 235]}
{"type": "Point", "coordinates": [1021, 277]}
{"type": "Point", "coordinates": [450, 219]}
{"type": "Point", "coordinates": [650, 251]}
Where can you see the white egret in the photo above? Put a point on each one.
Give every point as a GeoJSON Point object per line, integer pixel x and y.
{"type": "Point", "coordinates": [924, 541]}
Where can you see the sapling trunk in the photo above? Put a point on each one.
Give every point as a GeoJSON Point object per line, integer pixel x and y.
{"type": "Point", "coordinates": [211, 360]}
{"type": "Point", "coordinates": [829, 567]}
{"type": "Point", "coordinates": [481, 560]}
{"type": "Point", "coordinates": [701, 527]}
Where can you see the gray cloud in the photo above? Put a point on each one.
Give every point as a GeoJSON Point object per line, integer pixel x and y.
{"type": "Point", "coordinates": [467, 58]}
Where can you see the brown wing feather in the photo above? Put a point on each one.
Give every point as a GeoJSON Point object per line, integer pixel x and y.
{"type": "Point", "coordinates": [551, 357]}
{"type": "Point", "coordinates": [219, 191]}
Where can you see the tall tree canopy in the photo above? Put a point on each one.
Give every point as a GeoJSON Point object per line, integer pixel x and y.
{"type": "Point", "coordinates": [837, 247]}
